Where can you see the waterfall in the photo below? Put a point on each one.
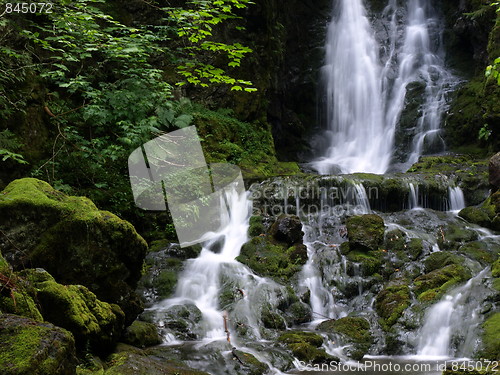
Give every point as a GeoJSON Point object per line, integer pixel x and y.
{"type": "Point", "coordinates": [458, 313]}
{"type": "Point", "coordinates": [199, 283]}
{"type": "Point", "coordinates": [359, 141]}
{"type": "Point", "coordinates": [361, 198]}
{"type": "Point", "coordinates": [456, 199]}
{"type": "Point", "coordinates": [365, 99]}
{"type": "Point", "coordinates": [413, 197]}
{"type": "Point", "coordinates": [421, 60]}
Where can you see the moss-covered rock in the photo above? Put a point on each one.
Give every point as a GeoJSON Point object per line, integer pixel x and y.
{"type": "Point", "coordinates": [271, 318]}
{"type": "Point", "coordinates": [73, 240]}
{"type": "Point", "coordinates": [487, 214]}
{"type": "Point", "coordinates": [30, 347]}
{"type": "Point", "coordinates": [354, 331]}
{"type": "Point", "coordinates": [78, 310]}
{"type": "Point", "coordinates": [141, 334]}
{"type": "Point", "coordinates": [298, 313]}
{"type": "Point", "coordinates": [480, 252]}
{"type": "Point", "coordinates": [366, 232]}
{"type": "Point", "coordinates": [272, 259]}
{"type": "Point", "coordinates": [441, 259]}
{"type": "Point", "coordinates": [491, 333]}
{"type": "Point", "coordinates": [252, 365]}
{"type": "Point", "coordinates": [392, 301]}
{"type": "Point", "coordinates": [453, 236]}
{"type": "Point", "coordinates": [370, 262]}
{"type": "Point", "coordinates": [435, 284]}
{"type": "Point", "coordinates": [133, 361]}
{"type": "Point", "coordinates": [305, 346]}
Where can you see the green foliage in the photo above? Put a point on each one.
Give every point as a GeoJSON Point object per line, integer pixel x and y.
{"type": "Point", "coordinates": [485, 132]}
{"type": "Point", "coordinates": [9, 144]}
{"type": "Point", "coordinates": [494, 69]}
{"type": "Point", "coordinates": [196, 26]}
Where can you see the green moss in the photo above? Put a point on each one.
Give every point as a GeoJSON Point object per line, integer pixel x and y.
{"type": "Point", "coordinates": [354, 331]}
{"type": "Point", "coordinates": [491, 333]}
{"type": "Point", "coordinates": [4, 266]}
{"type": "Point", "coordinates": [371, 262]}
{"type": "Point", "coordinates": [252, 364]}
{"type": "Point", "coordinates": [293, 337]}
{"type": "Point", "coordinates": [480, 252]}
{"type": "Point", "coordinates": [435, 284]}
{"type": "Point", "coordinates": [305, 346]}
{"type": "Point", "coordinates": [30, 348]}
{"type": "Point", "coordinates": [78, 310]}
{"type": "Point", "coordinates": [366, 232]}
{"type": "Point", "coordinates": [271, 259]}
{"type": "Point", "coordinates": [392, 301]}
{"type": "Point", "coordinates": [441, 259]}
{"type": "Point", "coordinates": [73, 241]}
{"type": "Point", "coordinates": [453, 236]}
{"type": "Point", "coordinates": [271, 319]}
{"type": "Point", "coordinates": [142, 334]}
{"type": "Point", "coordinates": [256, 227]}
{"type": "Point", "coordinates": [20, 303]}
{"type": "Point", "coordinates": [495, 269]}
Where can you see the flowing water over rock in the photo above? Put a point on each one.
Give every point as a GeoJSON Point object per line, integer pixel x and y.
{"type": "Point", "coordinates": [373, 101]}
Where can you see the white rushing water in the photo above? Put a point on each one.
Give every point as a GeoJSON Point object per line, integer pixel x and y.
{"type": "Point", "coordinates": [456, 314]}
{"type": "Point", "coordinates": [199, 283]}
{"type": "Point", "coordinates": [456, 199]}
{"type": "Point", "coordinates": [413, 201]}
{"type": "Point", "coordinates": [365, 98]}
{"type": "Point", "coordinates": [359, 140]}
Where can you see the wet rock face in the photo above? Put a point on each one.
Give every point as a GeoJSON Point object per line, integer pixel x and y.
{"type": "Point", "coordinates": [366, 232]}
{"type": "Point", "coordinates": [73, 240]}
{"type": "Point", "coordinates": [288, 229]}
{"type": "Point", "coordinates": [494, 171]}
{"type": "Point", "coordinates": [30, 347]}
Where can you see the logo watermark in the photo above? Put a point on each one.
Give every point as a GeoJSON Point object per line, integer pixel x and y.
{"type": "Point", "coordinates": [172, 170]}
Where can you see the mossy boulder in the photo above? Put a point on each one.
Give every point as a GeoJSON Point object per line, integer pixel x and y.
{"type": "Point", "coordinates": [141, 334]}
{"type": "Point", "coordinates": [30, 347]}
{"type": "Point", "coordinates": [435, 284]}
{"type": "Point", "coordinates": [487, 214]}
{"type": "Point", "coordinates": [132, 361]}
{"type": "Point", "coordinates": [93, 323]}
{"type": "Point", "coordinates": [354, 331]}
{"type": "Point", "coordinates": [298, 313]}
{"type": "Point", "coordinates": [479, 251]}
{"type": "Point", "coordinates": [305, 346]}
{"type": "Point", "coordinates": [491, 333]}
{"type": "Point", "coordinates": [271, 318]}
{"type": "Point", "coordinates": [494, 171]}
{"type": "Point", "coordinates": [366, 232]}
{"type": "Point", "coordinates": [452, 236]}
{"type": "Point", "coordinates": [392, 301]}
{"type": "Point", "coordinates": [16, 294]}
{"type": "Point", "coordinates": [370, 262]}
{"type": "Point", "coordinates": [73, 240]}
{"type": "Point", "coordinates": [252, 366]}
{"type": "Point", "coordinates": [273, 259]}
{"type": "Point", "coordinates": [183, 319]}
{"type": "Point", "coordinates": [441, 259]}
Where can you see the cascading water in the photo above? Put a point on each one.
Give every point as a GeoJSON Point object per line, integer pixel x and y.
{"type": "Point", "coordinates": [456, 199]}
{"type": "Point", "coordinates": [420, 60]}
{"type": "Point", "coordinates": [455, 314]}
{"type": "Point", "coordinates": [199, 284]}
{"type": "Point", "coordinates": [359, 140]}
{"type": "Point", "coordinates": [365, 98]}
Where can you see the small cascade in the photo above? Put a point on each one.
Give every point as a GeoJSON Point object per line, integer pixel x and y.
{"type": "Point", "coordinates": [413, 201]}
{"type": "Point", "coordinates": [199, 283]}
{"type": "Point", "coordinates": [361, 198]}
{"type": "Point", "coordinates": [457, 314]}
{"type": "Point", "coordinates": [456, 199]}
